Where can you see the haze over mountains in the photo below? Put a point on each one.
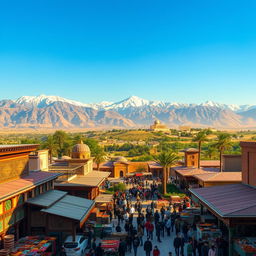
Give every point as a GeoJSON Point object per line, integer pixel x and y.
{"type": "Point", "coordinates": [134, 112]}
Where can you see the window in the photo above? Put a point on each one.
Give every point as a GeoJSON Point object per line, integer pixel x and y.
{"type": "Point", "coordinates": [1, 225]}
{"type": "Point", "coordinates": [8, 205]}
{"type": "Point", "coordinates": [21, 199]}
{"type": "Point", "coordinates": [9, 220]}
{"type": "Point", "coordinates": [20, 214]}
{"type": "Point", "coordinates": [1, 208]}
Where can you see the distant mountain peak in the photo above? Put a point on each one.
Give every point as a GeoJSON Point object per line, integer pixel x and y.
{"type": "Point", "coordinates": [42, 101]}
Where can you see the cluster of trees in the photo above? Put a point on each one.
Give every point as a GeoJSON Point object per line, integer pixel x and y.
{"type": "Point", "coordinates": [169, 157]}
{"type": "Point", "coordinates": [61, 143]}
{"type": "Point", "coordinates": [132, 150]}
{"type": "Point", "coordinates": [222, 144]}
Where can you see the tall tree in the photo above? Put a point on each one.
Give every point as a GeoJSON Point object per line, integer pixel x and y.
{"type": "Point", "coordinates": [60, 138]}
{"type": "Point", "coordinates": [99, 157]}
{"type": "Point", "coordinates": [93, 145]}
{"type": "Point", "coordinates": [200, 138]}
{"type": "Point", "coordinates": [222, 144]}
{"type": "Point", "coordinates": [166, 160]}
{"type": "Point", "coordinates": [210, 152]}
{"type": "Point", "coordinates": [50, 145]}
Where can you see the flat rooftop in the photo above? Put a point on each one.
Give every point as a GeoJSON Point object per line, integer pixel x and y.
{"type": "Point", "coordinates": [191, 171]}
{"type": "Point", "coordinates": [91, 179]}
{"type": "Point", "coordinates": [220, 177]}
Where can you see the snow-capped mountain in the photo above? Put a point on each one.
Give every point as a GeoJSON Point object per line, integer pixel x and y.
{"type": "Point", "coordinates": [233, 107]}
{"type": "Point", "coordinates": [56, 112]}
{"type": "Point", "coordinates": [42, 101]}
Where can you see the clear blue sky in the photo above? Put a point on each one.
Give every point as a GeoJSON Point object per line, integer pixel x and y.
{"type": "Point", "coordinates": [184, 51]}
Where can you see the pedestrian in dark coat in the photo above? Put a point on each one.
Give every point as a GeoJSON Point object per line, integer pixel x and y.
{"type": "Point", "coordinates": [158, 231]}
{"type": "Point", "coordinates": [177, 245]}
{"type": "Point", "coordinates": [148, 247]}
{"type": "Point", "coordinates": [99, 250]}
{"type": "Point", "coordinates": [136, 243]}
{"type": "Point", "coordinates": [122, 248]}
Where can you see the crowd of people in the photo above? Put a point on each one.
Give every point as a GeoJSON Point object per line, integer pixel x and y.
{"type": "Point", "coordinates": [152, 222]}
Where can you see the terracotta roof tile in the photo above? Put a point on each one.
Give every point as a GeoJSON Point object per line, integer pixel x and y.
{"type": "Point", "coordinates": [17, 186]}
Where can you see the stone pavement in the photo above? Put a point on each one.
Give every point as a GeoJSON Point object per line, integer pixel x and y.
{"type": "Point", "coordinates": [165, 246]}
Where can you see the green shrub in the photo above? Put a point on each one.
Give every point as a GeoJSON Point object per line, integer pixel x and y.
{"type": "Point", "coordinates": [119, 187]}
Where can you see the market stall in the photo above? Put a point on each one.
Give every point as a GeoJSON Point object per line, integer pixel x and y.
{"type": "Point", "coordinates": [208, 231]}
{"type": "Point", "coordinates": [190, 215]}
{"type": "Point", "coordinates": [245, 246]}
{"type": "Point", "coordinates": [110, 247]}
{"type": "Point", "coordinates": [35, 245]}
{"type": "Point", "coordinates": [162, 202]}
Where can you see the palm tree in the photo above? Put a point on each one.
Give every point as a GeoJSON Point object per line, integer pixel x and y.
{"type": "Point", "coordinates": [210, 152]}
{"type": "Point", "coordinates": [166, 160]}
{"type": "Point", "coordinates": [50, 145]}
{"type": "Point", "coordinates": [200, 138]}
{"type": "Point", "coordinates": [99, 157]}
{"type": "Point", "coordinates": [223, 143]}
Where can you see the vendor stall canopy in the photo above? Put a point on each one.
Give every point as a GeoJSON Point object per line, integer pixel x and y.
{"type": "Point", "coordinates": [236, 200]}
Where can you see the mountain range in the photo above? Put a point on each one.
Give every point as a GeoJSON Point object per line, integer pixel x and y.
{"type": "Point", "coordinates": [133, 112]}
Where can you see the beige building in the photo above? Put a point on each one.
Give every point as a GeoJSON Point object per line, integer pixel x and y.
{"type": "Point", "coordinates": [78, 177]}
{"type": "Point", "coordinates": [159, 127]}
{"type": "Point", "coordinates": [39, 160]}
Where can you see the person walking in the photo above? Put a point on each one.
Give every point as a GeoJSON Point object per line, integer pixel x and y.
{"type": "Point", "coordinates": [122, 248]}
{"type": "Point", "coordinates": [129, 243]}
{"type": "Point", "coordinates": [156, 217]}
{"type": "Point", "coordinates": [177, 226]}
{"type": "Point", "coordinates": [194, 245]}
{"type": "Point", "coordinates": [168, 226]}
{"type": "Point", "coordinates": [212, 251]}
{"type": "Point", "coordinates": [189, 249]}
{"type": "Point", "coordinates": [177, 244]}
{"type": "Point", "coordinates": [136, 243]}
{"type": "Point", "coordinates": [205, 249]}
{"type": "Point", "coordinates": [99, 250]}
{"type": "Point", "coordinates": [158, 231]}
{"type": "Point", "coordinates": [150, 228]}
{"type": "Point", "coordinates": [182, 244]}
{"type": "Point", "coordinates": [156, 251]}
{"type": "Point", "coordinates": [148, 247]}
{"type": "Point", "coordinates": [162, 213]}
{"type": "Point", "coordinates": [140, 234]}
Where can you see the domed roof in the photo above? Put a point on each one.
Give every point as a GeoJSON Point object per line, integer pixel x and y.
{"type": "Point", "coordinates": [81, 148]}
{"type": "Point", "coordinates": [157, 122]}
{"type": "Point", "coordinates": [121, 159]}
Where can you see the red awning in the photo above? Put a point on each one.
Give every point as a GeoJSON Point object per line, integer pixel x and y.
{"type": "Point", "coordinates": [138, 174]}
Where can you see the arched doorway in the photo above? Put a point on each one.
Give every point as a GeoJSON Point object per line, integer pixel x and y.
{"type": "Point", "coordinates": [121, 174]}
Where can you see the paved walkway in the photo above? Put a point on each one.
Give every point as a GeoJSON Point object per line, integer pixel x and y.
{"type": "Point", "coordinates": [165, 246]}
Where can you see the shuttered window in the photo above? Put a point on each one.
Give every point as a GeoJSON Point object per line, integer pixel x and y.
{"type": "Point", "coordinates": [8, 205]}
